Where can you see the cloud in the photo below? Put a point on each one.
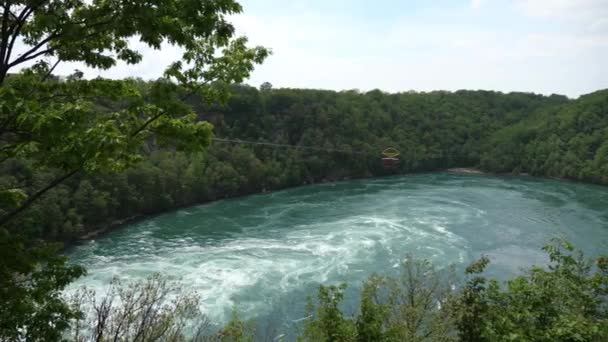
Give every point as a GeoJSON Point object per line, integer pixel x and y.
{"type": "Point", "coordinates": [599, 25]}
{"type": "Point", "coordinates": [527, 45]}
{"type": "Point", "coordinates": [415, 53]}
{"type": "Point", "coordinates": [591, 14]}
{"type": "Point", "coordinates": [476, 3]}
{"type": "Point", "coordinates": [563, 8]}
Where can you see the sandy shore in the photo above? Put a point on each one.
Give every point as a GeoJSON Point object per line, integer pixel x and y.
{"type": "Point", "coordinates": [466, 170]}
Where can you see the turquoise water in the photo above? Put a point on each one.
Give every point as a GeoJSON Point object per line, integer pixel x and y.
{"type": "Point", "coordinates": [262, 254]}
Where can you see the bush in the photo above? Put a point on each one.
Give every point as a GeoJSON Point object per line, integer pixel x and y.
{"type": "Point", "coordinates": [565, 301]}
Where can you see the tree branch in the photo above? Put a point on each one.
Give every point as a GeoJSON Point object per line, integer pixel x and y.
{"type": "Point", "coordinates": [50, 72]}
{"type": "Point", "coordinates": [14, 33]}
{"type": "Point", "coordinates": [31, 199]}
{"type": "Point", "coordinates": [156, 117]}
{"type": "Point", "coordinates": [3, 44]}
{"type": "Point", "coordinates": [8, 9]}
{"type": "Point", "coordinates": [23, 15]}
{"type": "Point", "coordinates": [28, 54]}
{"type": "Point", "coordinates": [24, 57]}
{"type": "Point", "coordinates": [147, 123]}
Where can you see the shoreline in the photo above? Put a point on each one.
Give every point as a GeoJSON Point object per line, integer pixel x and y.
{"type": "Point", "coordinates": [118, 224]}
{"type": "Point", "coordinates": [476, 171]}
{"type": "Point", "coordinates": [97, 232]}
{"type": "Point", "coordinates": [466, 171]}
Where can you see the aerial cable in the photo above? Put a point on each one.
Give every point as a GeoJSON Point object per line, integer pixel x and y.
{"type": "Point", "coordinates": [389, 156]}
{"type": "Point", "coordinates": [301, 147]}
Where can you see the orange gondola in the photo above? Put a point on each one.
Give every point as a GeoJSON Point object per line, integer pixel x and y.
{"type": "Point", "coordinates": [389, 158]}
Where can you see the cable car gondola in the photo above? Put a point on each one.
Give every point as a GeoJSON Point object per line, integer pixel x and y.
{"type": "Point", "coordinates": [389, 158]}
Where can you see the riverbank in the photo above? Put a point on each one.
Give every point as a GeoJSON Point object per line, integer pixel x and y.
{"type": "Point", "coordinates": [97, 232]}
{"type": "Point", "coordinates": [466, 171]}
{"type": "Point", "coordinates": [102, 230]}
{"type": "Point", "coordinates": [476, 171]}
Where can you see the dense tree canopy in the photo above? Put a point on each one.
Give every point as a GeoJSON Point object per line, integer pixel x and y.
{"type": "Point", "coordinates": [510, 133]}
{"type": "Point", "coordinates": [569, 141]}
{"type": "Point", "coordinates": [79, 125]}
{"type": "Point", "coordinates": [55, 128]}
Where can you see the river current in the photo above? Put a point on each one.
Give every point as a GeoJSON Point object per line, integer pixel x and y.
{"type": "Point", "coordinates": [262, 254]}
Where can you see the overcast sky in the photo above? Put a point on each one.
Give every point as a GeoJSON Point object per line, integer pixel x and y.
{"type": "Point", "coordinates": [542, 46]}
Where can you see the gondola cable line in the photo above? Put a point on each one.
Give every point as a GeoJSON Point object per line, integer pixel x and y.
{"type": "Point", "coordinates": [389, 155]}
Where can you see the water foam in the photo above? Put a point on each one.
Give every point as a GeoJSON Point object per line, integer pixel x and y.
{"type": "Point", "coordinates": [262, 250]}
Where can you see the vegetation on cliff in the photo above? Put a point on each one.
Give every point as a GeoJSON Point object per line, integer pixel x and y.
{"type": "Point", "coordinates": [506, 133]}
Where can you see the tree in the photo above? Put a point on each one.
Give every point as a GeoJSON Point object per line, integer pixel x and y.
{"type": "Point", "coordinates": [151, 310]}
{"type": "Point", "coordinates": [567, 300]}
{"type": "Point", "coordinates": [326, 321]}
{"type": "Point", "coordinates": [79, 126]}
{"type": "Point", "coordinates": [564, 302]}
{"type": "Point", "coordinates": [266, 86]}
{"type": "Point", "coordinates": [57, 124]}
{"type": "Point", "coordinates": [413, 306]}
{"type": "Point", "coordinates": [31, 306]}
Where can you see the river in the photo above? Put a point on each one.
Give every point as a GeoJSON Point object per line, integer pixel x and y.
{"type": "Point", "coordinates": [263, 254]}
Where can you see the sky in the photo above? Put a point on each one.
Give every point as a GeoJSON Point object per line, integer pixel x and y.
{"type": "Point", "coordinates": [541, 46]}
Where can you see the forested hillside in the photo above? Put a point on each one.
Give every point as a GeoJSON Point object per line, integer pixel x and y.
{"type": "Point", "coordinates": [512, 133]}
{"type": "Point", "coordinates": [569, 141]}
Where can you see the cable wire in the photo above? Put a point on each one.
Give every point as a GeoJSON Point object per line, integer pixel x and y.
{"type": "Point", "coordinates": [312, 148]}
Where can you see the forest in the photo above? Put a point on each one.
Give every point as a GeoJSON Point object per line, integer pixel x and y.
{"type": "Point", "coordinates": [514, 133]}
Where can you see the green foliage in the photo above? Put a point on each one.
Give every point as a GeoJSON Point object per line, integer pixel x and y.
{"type": "Point", "coordinates": [72, 158]}
{"type": "Point", "coordinates": [431, 130]}
{"type": "Point", "coordinates": [53, 129]}
{"type": "Point", "coordinates": [326, 321]}
{"type": "Point", "coordinates": [77, 125]}
{"type": "Point", "coordinates": [30, 293]}
{"type": "Point", "coordinates": [371, 323]}
{"type": "Point", "coordinates": [419, 302]}
{"type": "Point", "coordinates": [10, 198]}
{"type": "Point", "coordinates": [236, 330]}
{"type": "Point", "coordinates": [566, 141]}
{"type": "Point", "coordinates": [414, 306]}
{"type": "Point", "coordinates": [471, 307]}
{"type": "Point", "coordinates": [564, 302]}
